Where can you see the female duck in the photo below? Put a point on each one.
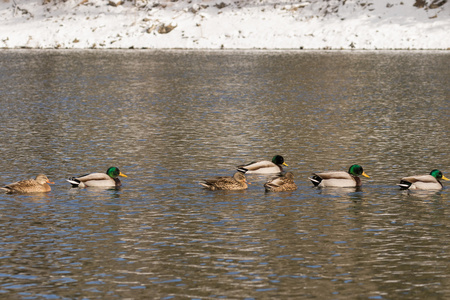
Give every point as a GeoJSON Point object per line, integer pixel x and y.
{"type": "Point", "coordinates": [282, 183]}
{"type": "Point", "coordinates": [423, 182]}
{"type": "Point", "coordinates": [237, 182]}
{"type": "Point", "coordinates": [38, 185]}
{"type": "Point", "coordinates": [339, 178]}
{"type": "Point", "coordinates": [264, 167]}
{"type": "Point", "coordinates": [108, 179]}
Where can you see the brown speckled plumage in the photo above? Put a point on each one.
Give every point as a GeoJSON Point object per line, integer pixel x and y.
{"type": "Point", "coordinates": [38, 185]}
{"type": "Point", "coordinates": [282, 183]}
{"type": "Point", "coordinates": [237, 182]}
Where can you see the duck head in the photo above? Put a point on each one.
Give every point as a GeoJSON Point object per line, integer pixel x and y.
{"type": "Point", "coordinates": [357, 170]}
{"type": "Point", "coordinates": [279, 160]}
{"type": "Point", "coordinates": [114, 172]}
{"type": "Point", "coordinates": [438, 174]}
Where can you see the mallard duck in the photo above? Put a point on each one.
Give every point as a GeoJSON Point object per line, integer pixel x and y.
{"type": "Point", "coordinates": [281, 183]}
{"type": "Point", "coordinates": [339, 178]}
{"type": "Point", "coordinates": [423, 182]}
{"type": "Point", "coordinates": [264, 167]}
{"type": "Point", "coordinates": [237, 182]}
{"type": "Point", "coordinates": [38, 185]}
{"type": "Point", "coordinates": [108, 179]}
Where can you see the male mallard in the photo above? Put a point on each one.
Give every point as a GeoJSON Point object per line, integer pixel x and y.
{"type": "Point", "coordinates": [281, 183]}
{"type": "Point", "coordinates": [339, 178]}
{"type": "Point", "coordinates": [237, 182]}
{"type": "Point", "coordinates": [264, 167]}
{"type": "Point", "coordinates": [423, 182]}
{"type": "Point", "coordinates": [38, 185]}
{"type": "Point", "coordinates": [108, 179]}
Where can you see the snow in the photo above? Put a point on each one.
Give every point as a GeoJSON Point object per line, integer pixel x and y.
{"type": "Point", "coordinates": [225, 24]}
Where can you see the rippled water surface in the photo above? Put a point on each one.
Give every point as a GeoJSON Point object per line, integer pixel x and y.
{"type": "Point", "coordinates": [169, 119]}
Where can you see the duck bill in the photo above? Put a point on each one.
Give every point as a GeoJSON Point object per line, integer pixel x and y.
{"type": "Point", "coordinates": [50, 182]}
{"type": "Point", "coordinates": [123, 175]}
{"type": "Point", "coordinates": [365, 175]}
{"type": "Point", "coordinates": [285, 164]}
{"type": "Point", "coordinates": [445, 178]}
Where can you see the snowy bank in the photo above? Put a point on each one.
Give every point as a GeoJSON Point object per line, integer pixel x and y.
{"type": "Point", "coordinates": [227, 24]}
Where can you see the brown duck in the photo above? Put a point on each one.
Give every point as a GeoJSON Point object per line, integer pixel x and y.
{"type": "Point", "coordinates": [38, 185]}
{"type": "Point", "coordinates": [281, 183]}
{"type": "Point", "coordinates": [237, 182]}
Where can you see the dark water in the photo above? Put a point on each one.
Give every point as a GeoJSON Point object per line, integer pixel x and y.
{"type": "Point", "coordinates": [169, 119]}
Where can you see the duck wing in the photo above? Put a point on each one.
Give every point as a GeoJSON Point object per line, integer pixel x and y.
{"type": "Point", "coordinates": [334, 175]}
{"type": "Point", "coordinates": [263, 166]}
{"type": "Point", "coordinates": [258, 165]}
{"type": "Point", "coordinates": [421, 178]}
{"type": "Point", "coordinates": [221, 183]}
{"type": "Point", "coordinates": [280, 183]}
{"type": "Point", "coordinates": [94, 179]}
{"type": "Point", "coordinates": [277, 181]}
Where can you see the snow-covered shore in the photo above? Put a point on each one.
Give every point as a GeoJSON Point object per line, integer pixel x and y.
{"type": "Point", "coordinates": [227, 24]}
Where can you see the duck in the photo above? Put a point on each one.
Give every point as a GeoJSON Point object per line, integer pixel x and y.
{"type": "Point", "coordinates": [423, 182]}
{"type": "Point", "coordinates": [38, 185]}
{"type": "Point", "coordinates": [237, 182]}
{"type": "Point", "coordinates": [264, 166]}
{"type": "Point", "coordinates": [339, 178]}
{"type": "Point", "coordinates": [281, 183]}
{"type": "Point", "coordinates": [108, 179]}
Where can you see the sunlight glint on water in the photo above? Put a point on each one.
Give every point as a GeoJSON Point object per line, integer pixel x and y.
{"type": "Point", "coordinates": [170, 119]}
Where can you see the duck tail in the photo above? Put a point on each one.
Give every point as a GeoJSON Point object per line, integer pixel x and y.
{"type": "Point", "coordinates": [404, 185]}
{"type": "Point", "coordinates": [74, 182]}
{"type": "Point", "coordinates": [269, 187]}
{"type": "Point", "coordinates": [5, 189]}
{"type": "Point", "coordinates": [315, 180]}
{"type": "Point", "coordinates": [207, 186]}
{"type": "Point", "coordinates": [242, 170]}
{"type": "Point", "coordinates": [204, 184]}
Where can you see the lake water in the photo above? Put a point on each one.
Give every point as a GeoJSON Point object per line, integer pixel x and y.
{"type": "Point", "coordinates": [170, 118]}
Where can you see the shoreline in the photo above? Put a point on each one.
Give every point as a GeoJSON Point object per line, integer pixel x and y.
{"type": "Point", "coordinates": [382, 25]}
{"type": "Point", "coordinates": [221, 50]}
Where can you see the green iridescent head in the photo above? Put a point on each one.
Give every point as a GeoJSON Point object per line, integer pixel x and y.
{"type": "Point", "coordinates": [357, 170]}
{"type": "Point", "coordinates": [279, 160]}
{"type": "Point", "coordinates": [438, 174]}
{"type": "Point", "coordinates": [114, 172]}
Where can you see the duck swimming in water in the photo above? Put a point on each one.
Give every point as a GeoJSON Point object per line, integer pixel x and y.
{"type": "Point", "coordinates": [264, 166]}
{"type": "Point", "coordinates": [339, 178]}
{"type": "Point", "coordinates": [237, 182]}
{"type": "Point", "coordinates": [108, 179]}
{"type": "Point", "coordinates": [423, 182]}
{"type": "Point", "coordinates": [38, 185]}
{"type": "Point", "coordinates": [281, 183]}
